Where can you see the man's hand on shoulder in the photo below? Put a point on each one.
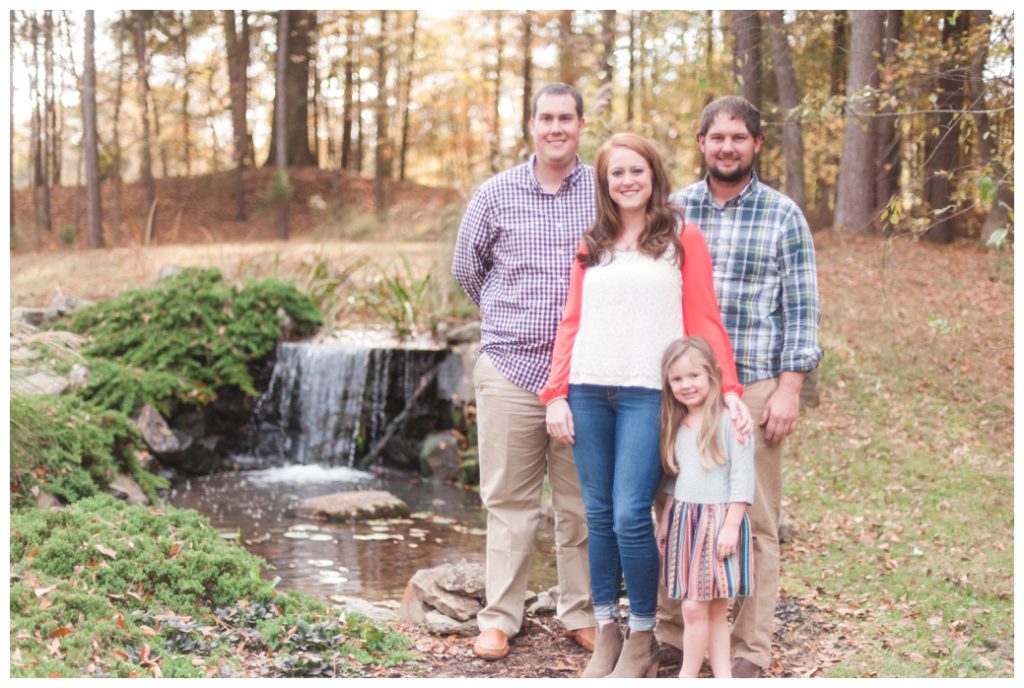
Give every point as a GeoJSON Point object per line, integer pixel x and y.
{"type": "Point", "coordinates": [783, 407]}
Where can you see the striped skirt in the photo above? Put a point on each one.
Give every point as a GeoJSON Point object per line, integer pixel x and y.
{"type": "Point", "coordinates": [690, 569]}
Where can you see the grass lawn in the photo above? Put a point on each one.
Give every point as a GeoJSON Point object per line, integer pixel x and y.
{"type": "Point", "coordinates": [899, 485]}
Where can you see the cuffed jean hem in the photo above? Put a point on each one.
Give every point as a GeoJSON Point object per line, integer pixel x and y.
{"type": "Point", "coordinates": [607, 611]}
{"type": "Point", "coordinates": [641, 623]}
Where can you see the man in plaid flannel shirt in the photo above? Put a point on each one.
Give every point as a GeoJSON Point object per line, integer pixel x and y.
{"type": "Point", "coordinates": [513, 255]}
{"type": "Point", "coordinates": [767, 289]}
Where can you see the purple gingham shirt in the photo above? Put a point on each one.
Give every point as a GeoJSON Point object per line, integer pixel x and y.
{"type": "Point", "coordinates": [513, 255]}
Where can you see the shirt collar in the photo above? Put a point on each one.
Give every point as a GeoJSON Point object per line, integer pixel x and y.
{"type": "Point", "coordinates": [567, 182]}
{"type": "Point", "coordinates": [742, 196]}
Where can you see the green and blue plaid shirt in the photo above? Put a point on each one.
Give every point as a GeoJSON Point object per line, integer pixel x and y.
{"type": "Point", "coordinates": [765, 277]}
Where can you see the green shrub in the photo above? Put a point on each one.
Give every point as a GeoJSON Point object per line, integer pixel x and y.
{"type": "Point", "coordinates": [187, 337]}
{"type": "Point", "coordinates": [117, 590]}
{"type": "Point", "coordinates": [71, 448]}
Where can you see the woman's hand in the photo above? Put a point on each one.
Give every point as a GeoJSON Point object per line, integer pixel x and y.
{"type": "Point", "coordinates": [728, 539]}
{"type": "Point", "coordinates": [559, 421]}
{"type": "Point", "coordinates": [740, 414]}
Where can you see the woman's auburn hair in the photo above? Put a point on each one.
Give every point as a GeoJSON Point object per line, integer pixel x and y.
{"type": "Point", "coordinates": [663, 218]}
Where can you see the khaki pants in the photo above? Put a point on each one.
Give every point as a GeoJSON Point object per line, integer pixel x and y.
{"type": "Point", "coordinates": [514, 451]}
{"type": "Point", "coordinates": [754, 615]}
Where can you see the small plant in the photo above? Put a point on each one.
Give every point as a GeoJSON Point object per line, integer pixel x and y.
{"type": "Point", "coordinates": [402, 299]}
{"type": "Point", "coordinates": [326, 286]}
{"type": "Point", "coordinates": [68, 234]}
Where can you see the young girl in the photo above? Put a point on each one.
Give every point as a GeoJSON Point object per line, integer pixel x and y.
{"type": "Point", "coordinates": [704, 535]}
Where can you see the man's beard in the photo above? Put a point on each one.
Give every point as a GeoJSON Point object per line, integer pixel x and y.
{"type": "Point", "coordinates": [739, 174]}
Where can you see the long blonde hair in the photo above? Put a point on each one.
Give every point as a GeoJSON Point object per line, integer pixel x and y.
{"type": "Point", "coordinates": [673, 411]}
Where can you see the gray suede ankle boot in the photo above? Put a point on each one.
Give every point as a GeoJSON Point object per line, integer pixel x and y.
{"type": "Point", "coordinates": [606, 651]}
{"type": "Point", "coordinates": [639, 658]}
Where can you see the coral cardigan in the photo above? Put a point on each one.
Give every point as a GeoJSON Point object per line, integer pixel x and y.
{"type": "Point", "coordinates": [700, 316]}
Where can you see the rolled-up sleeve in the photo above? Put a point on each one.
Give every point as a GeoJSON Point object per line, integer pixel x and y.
{"type": "Point", "coordinates": [472, 259]}
{"type": "Point", "coordinates": [801, 311]}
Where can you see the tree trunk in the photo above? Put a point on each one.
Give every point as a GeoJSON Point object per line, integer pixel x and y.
{"type": "Point", "coordinates": [407, 97]}
{"type": "Point", "coordinates": [186, 134]}
{"type": "Point", "coordinates": [527, 49]}
{"type": "Point", "coordinates": [567, 55]}
{"type": "Point", "coordinates": [999, 216]}
{"type": "Point", "coordinates": [840, 41]}
{"type": "Point", "coordinates": [10, 121]}
{"type": "Point", "coordinates": [141, 70]}
{"type": "Point", "coordinates": [942, 145]}
{"type": "Point", "coordinates": [92, 167]}
{"type": "Point", "coordinates": [789, 101]}
{"type": "Point", "coordinates": [297, 49]}
{"type": "Point", "coordinates": [709, 56]}
{"type": "Point", "coordinates": [115, 222]}
{"type": "Point", "coordinates": [380, 162]}
{"type": "Point", "coordinates": [745, 26]}
{"type": "Point", "coordinates": [855, 202]}
{"type": "Point", "coordinates": [608, 35]}
{"type": "Point", "coordinates": [631, 81]}
{"type": "Point", "coordinates": [495, 137]}
{"type": "Point", "coordinates": [887, 127]}
{"type": "Point", "coordinates": [50, 118]}
{"type": "Point", "coordinates": [360, 130]}
{"type": "Point", "coordinates": [350, 66]}
{"type": "Point", "coordinates": [238, 62]}
{"type": "Point", "coordinates": [281, 115]}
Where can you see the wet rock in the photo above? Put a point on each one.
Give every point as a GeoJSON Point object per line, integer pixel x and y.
{"type": "Point", "coordinates": [45, 500]}
{"type": "Point", "coordinates": [439, 624]}
{"type": "Point", "coordinates": [199, 457]}
{"type": "Point", "coordinates": [545, 603]}
{"type": "Point", "coordinates": [37, 382]}
{"type": "Point", "coordinates": [439, 455]}
{"type": "Point", "coordinates": [78, 375]}
{"type": "Point", "coordinates": [124, 487]}
{"type": "Point", "coordinates": [24, 355]}
{"type": "Point", "coordinates": [464, 578]}
{"type": "Point", "coordinates": [455, 376]}
{"type": "Point", "coordinates": [460, 607]}
{"type": "Point", "coordinates": [344, 506]}
{"type": "Point", "coordinates": [367, 609]}
{"type": "Point", "coordinates": [34, 316]}
{"type": "Point", "coordinates": [154, 430]}
{"type": "Point", "coordinates": [412, 608]}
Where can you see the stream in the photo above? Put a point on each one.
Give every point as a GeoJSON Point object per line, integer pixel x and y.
{"type": "Point", "coordinates": [373, 560]}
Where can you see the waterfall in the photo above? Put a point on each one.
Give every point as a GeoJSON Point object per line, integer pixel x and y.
{"type": "Point", "coordinates": [326, 403]}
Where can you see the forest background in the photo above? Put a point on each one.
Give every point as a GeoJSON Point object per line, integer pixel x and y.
{"type": "Point", "coordinates": [892, 121]}
{"type": "Point", "coordinates": [152, 133]}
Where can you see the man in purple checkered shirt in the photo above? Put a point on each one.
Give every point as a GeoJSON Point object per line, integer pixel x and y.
{"type": "Point", "coordinates": [512, 256]}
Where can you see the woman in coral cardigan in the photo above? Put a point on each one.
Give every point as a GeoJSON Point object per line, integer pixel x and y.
{"type": "Point", "coordinates": [641, 280]}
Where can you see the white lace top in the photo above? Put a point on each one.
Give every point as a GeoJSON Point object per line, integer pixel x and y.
{"type": "Point", "coordinates": [632, 308]}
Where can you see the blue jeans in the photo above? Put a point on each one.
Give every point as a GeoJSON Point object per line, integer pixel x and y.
{"type": "Point", "coordinates": [616, 455]}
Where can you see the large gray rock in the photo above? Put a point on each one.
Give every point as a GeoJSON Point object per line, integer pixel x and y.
{"type": "Point", "coordinates": [124, 487]}
{"type": "Point", "coordinates": [412, 608]}
{"type": "Point", "coordinates": [455, 376]}
{"type": "Point", "coordinates": [345, 506]}
{"type": "Point", "coordinates": [64, 304]}
{"type": "Point", "coordinates": [439, 455]}
{"type": "Point", "coordinates": [78, 376]}
{"type": "Point", "coordinates": [154, 430]}
{"type": "Point", "coordinates": [546, 602]}
{"type": "Point", "coordinates": [42, 381]}
{"type": "Point", "coordinates": [439, 624]}
{"type": "Point", "coordinates": [367, 609]}
{"type": "Point", "coordinates": [34, 316]}
{"type": "Point", "coordinates": [459, 607]}
{"type": "Point", "coordinates": [464, 579]}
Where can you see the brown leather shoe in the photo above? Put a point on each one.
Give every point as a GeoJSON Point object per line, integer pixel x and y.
{"type": "Point", "coordinates": [491, 644]}
{"type": "Point", "coordinates": [584, 636]}
{"type": "Point", "coordinates": [744, 668]}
